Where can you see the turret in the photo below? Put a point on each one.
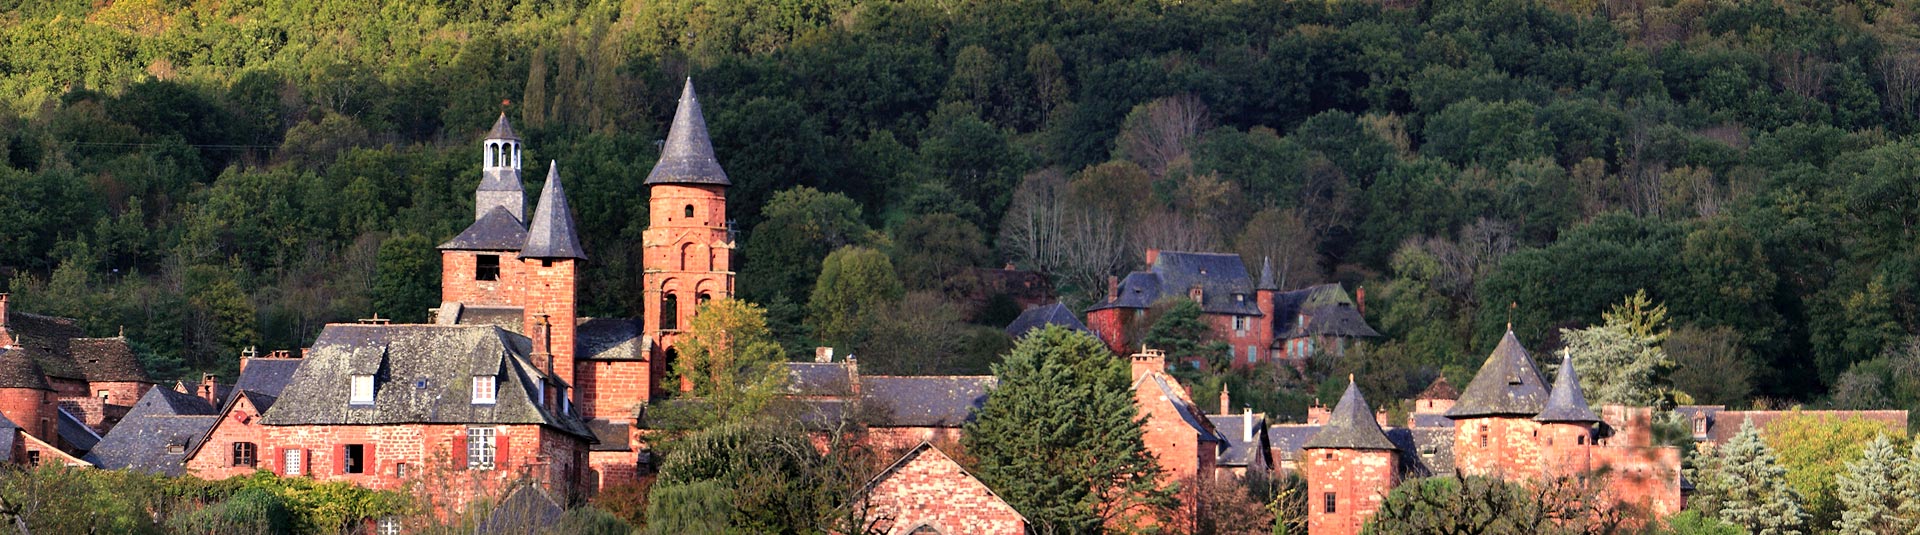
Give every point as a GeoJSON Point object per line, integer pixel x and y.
{"type": "Point", "coordinates": [549, 260]}
{"type": "Point", "coordinates": [1566, 424]}
{"type": "Point", "coordinates": [500, 173]}
{"type": "Point", "coordinates": [1349, 465]}
{"type": "Point", "coordinates": [1494, 430]}
{"type": "Point", "coordinates": [25, 397]}
{"type": "Point", "coordinates": [477, 266]}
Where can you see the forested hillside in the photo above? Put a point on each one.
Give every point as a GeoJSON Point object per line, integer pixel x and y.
{"type": "Point", "coordinates": [216, 175]}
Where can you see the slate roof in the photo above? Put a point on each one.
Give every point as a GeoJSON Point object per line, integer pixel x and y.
{"type": "Point", "coordinates": [1288, 438]}
{"type": "Point", "coordinates": [9, 433]}
{"type": "Point", "coordinates": [75, 432]}
{"type": "Point", "coordinates": [501, 129]}
{"type": "Point", "coordinates": [1042, 316]}
{"type": "Point", "coordinates": [47, 339]}
{"type": "Point", "coordinates": [551, 233]}
{"type": "Point", "coordinates": [1567, 402]}
{"type": "Point", "coordinates": [608, 339]}
{"type": "Point", "coordinates": [1439, 389]}
{"type": "Point", "coordinates": [1266, 275]}
{"type": "Point", "coordinates": [496, 231]}
{"type": "Point", "coordinates": [268, 376]}
{"type": "Point", "coordinates": [1328, 320]}
{"type": "Point", "coordinates": [167, 402]}
{"type": "Point", "coordinates": [819, 378]}
{"type": "Point", "coordinates": [687, 155]}
{"type": "Point", "coordinates": [18, 370]}
{"type": "Point", "coordinates": [612, 435]}
{"type": "Point", "coordinates": [423, 375]}
{"type": "Point", "coordinates": [527, 510]}
{"type": "Point", "coordinates": [1239, 451]}
{"type": "Point", "coordinates": [1351, 426]}
{"type": "Point", "coordinates": [1423, 451]}
{"type": "Point", "coordinates": [1219, 276]}
{"type": "Point", "coordinates": [108, 359]}
{"type": "Point", "coordinates": [1437, 421]}
{"type": "Point", "coordinates": [513, 319]}
{"type": "Point", "coordinates": [152, 443]}
{"type": "Point", "coordinates": [1508, 384]}
{"type": "Point", "coordinates": [923, 401]}
{"type": "Point", "coordinates": [1176, 396]}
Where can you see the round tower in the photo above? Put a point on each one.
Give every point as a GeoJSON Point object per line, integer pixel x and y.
{"type": "Point", "coordinates": [1494, 431]}
{"type": "Point", "coordinates": [1350, 467]}
{"type": "Point", "coordinates": [25, 397]}
{"type": "Point", "coordinates": [688, 243]}
{"type": "Point", "coordinates": [1566, 425]}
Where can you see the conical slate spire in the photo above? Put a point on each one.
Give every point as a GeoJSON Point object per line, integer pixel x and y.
{"type": "Point", "coordinates": [1567, 403]}
{"type": "Point", "coordinates": [1351, 426]}
{"type": "Point", "coordinates": [1508, 384]}
{"type": "Point", "coordinates": [551, 235]}
{"type": "Point", "coordinates": [501, 129]}
{"type": "Point", "coordinates": [687, 157]}
{"type": "Point", "coordinates": [1266, 275]}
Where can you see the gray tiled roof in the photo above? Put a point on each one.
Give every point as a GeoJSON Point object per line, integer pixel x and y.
{"type": "Point", "coordinates": [1567, 403]}
{"type": "Point", "coordinates": [924, 401]}
{"type": "Point", "coordinates": [550, 234]}
{"type": "Point", "coordinates": [1351, 425]}
{"type": "Point", "coordinates": [496, 231]}
{"type": "Point", "coordinates": [687, 156]}
{"type": "Point", "coordinates": [819, 378]}
{"type": "Point", "coordinates": [1424, 451]}
{"type": "Point", "coordinates": [513, 319]}
{"type": "Point", "coordinates": [1238, 450]}
{"type": "Point", "coordinates": [1266, 275]}
{"type": "Point", "coordinates": [1439, 389]}
{"type": "Point", "coordinates": [1508, 384]}
{"type": "Point", "coordinates": [426, 377]}
{"type": "Point", "coordinates": [1328, 320]}
{"type": "Point", "coordinates": [18, 370]}
{"type": "Point", "coordinates": [267, 375]}
{"type": "Point", "coordinates": [1318, 301]}
{"type": "Point", "coordinates": [152, 443]}
{"type": "Point", "coordinates": [167, 402]}
{"type": "Point", "coordinates": [612, 435]}
{"type": "Point", "coordinates": [1437, 421]}
{"type": "Point", "coordinates": [108, 359]}
{"type": "Point", "coordinates": [1042, 316]}
{"type": "Point", "coordinates": [9, 433]}
{"type": "Point", "coordinates": [528, 510]}
{"type": "Point", "coordinates": [1219, 276]}
{"type": "Point", "coordinates": [609, 339]}
{"type": "Point", "coordinates": [501, 129]}
{"type": "Point", "coordinates": [1289, 438]}
{"type": "Point", "coordinates": [47, 339]}
{"type": "Point", "coordinates": [75, 432]}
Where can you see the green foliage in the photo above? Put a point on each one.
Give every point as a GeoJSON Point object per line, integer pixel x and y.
{"type": "Point", "coordinates": [801, 227]}
{"type": "Point", "coordinates": [59, 499]}
{"type": "Point", "coordinates": [855, 285]}
{"type": "Point", "coordinates": [1743, 484]}
{"type": "Point", "coordinates": [1454, 504]}
{"type": "Point", "coordinates": [1870, 492]}
{"type": "Point", "coordinates": [1691, 522]}
{"type": "Point", "coordinates": [405, 287]}
{"type": "Point", "coordinates": [1621, 361]}
{"type": "Point", "coordinates": [731, 360]}
{"type": "Point", "coordinates": [1058, 439]}
{"type": "Point", "coordinates": [1814, 450]}
{"type": "Point", "coordinates": [1185, 338]}
{"type": "Point", "coordinates": [739, 478]}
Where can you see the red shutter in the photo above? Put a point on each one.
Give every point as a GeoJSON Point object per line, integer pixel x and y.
{"type": "Point", "coordinates": [500, 453]}
{"type": "Point", "coordinates": [369, 467]}
{"type": "Point", "coordinates": [306, 462]}
{"type": "Point", "coordinates": [278, 463]}
{"type": "Point", "coordinates": [460, 451]}
{"type": "Point", "coordinates": [339, 459]}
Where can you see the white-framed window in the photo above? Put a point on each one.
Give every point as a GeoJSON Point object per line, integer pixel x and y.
{"type": "Point", "coordinates": [292, 462]}
{"type": "Point", "coordinates": [1253, 354]}
{"type": "Point", "coordinates": [362, 390]}
{"type": "Point", "coordinates": [480, 448]}
{"type": "Point", "coordinates": [388, 526]}
{"type": "Point", "coordinates": [484, 389]}
{"type": "Point", "coordinates": [1240, 324]}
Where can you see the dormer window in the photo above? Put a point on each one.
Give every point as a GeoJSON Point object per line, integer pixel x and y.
{"type": "Point", "coordinates": [362, 393]}
{"type": "Point", "coordinates": [483, 390]}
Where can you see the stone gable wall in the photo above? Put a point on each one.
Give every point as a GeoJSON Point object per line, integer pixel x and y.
{"type": "Point", "coordinates": [932, 490]}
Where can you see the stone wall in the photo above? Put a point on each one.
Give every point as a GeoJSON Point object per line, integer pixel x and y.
{"type": "Point", "coordinates": [1357, 481]}
{"type": "Point", "coordinates": [928, 489]}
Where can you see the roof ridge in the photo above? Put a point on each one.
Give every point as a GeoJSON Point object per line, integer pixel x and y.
{"type": "Point", "coordinates": [502, 129]}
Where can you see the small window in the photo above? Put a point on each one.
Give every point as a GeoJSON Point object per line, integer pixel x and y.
{"type": "Point", "coordinates": [480, 448]}
{"type": "Point", "coordinates": [483, 389]}
{"type": "Point", "coordinates": [362, 390]}
{"type": "Point", "coordinates": [689, 210]}
{"type": "Point", "coordinates": [1332, 500]}
{"type": "Point", "coordinates": [669, 312]}
{"type": "Point", "coordinates": [399, 469]}
{"type": "Point", "coordinates": [487, 268]}
{"type": "Point", "coordinates": [246, 454]}
{"type": "Point", "coordinates": [356, 459]}
{"type": "Point", "coordinates": [292, 462]}
{"type": "Point", "coordinates": [1580, 440]}
{"type": "Point", "coordinates": [1240, 323]}
{"type": "Point", "coordinates": [388, 526]}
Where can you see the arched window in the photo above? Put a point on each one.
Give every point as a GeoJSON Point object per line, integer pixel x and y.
{"type": "Point", "coordinates": [669, 312]}
{"type": "Point", "coordinates": [493, 151]}
{"type": "Point", "coordinates": [703, 298]}
{"type": "Point", "coordinates": [686, 256]}
{"type": "Point", "coordinates": [689, 210]}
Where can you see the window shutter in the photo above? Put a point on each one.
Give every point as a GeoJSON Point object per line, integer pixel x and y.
{"type": "Point", "coordinates": [339, 459]}
{"type": "Point", "coordinates": [279, 462]}
{"type": "Point", "coordinates": [306, 463]}
{"type": "Point", "coordinates": [460, 450]}
{"type": "Point", "coordinates": [500, 452]}
{"type": "Point", "coordinates": [370, 467]}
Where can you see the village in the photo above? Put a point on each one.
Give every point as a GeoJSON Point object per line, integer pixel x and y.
{"type": "Point", "coordinates": [507, 394]}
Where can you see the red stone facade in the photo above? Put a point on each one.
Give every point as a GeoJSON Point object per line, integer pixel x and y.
{"type": "Point", "coordinates": [1505, 447]}
{"type": "Point", "coordinates": [548, 300]}
{"type": "Point", "coordinates": [689, 257]}
{"type": "Point", "coordinates": [928, 490]}
{"type": "Point", "coordinates": [218, 457]}
{"type": "Point", "coordinates": [458, 283]}
{"type": "Point", "coordinates": [1345, 487]}
{"type": "Point", "coordinates": [31, 409]}
{"type": "Point", "coordinates": [434, 458]}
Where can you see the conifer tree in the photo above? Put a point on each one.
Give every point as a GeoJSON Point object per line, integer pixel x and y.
{"type": "Point", "coordinates": [1058, 438]}
{"type": "Point", "coordinates": [1870, 491]}
{"type": "Point", "coordinates": [1744, 484]}
{"type": "Point", "coordinates": [1910, 486]}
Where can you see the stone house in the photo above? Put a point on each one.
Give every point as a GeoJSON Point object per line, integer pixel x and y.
{"type": "Point", "coordinates": [60, 387]}
{"type": "Point", "coordinates": [925, 493]}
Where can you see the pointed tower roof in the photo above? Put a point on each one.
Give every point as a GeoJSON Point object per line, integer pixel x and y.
{"type": "Point", "coordinates": [1508, 384]}
{"type": "Point", "coordinates": [551, 234]}
{"type": "Point", "coordinates": [501, 129]}
{"type": "Point", "coordinates": [1567, 403]}
{"type": "Point", "coordinates": [1351, 426]}
{"type": "Point", "coordinates": [687, 157]}
{"type": "Point", "coordinates": [1266, 274]}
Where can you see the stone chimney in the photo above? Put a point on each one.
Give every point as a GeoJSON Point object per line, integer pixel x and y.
{"type": "Point", "coordinates": [823, 354]}
{"type": "Point", "coordinates": [1113, 288]}
{"type": "Point", "coordinates": [247, 355]}
{"type": "Point", "coordinates": [1246, 424]}
{"type": "Point", "coordinates": [1360, 299]}
{"type": "Point", "coordinates": [1148, 360]}
{"type": "Point", "coordinates": [541, 334]}
{"type": "Point", "coordinates": [6, 336]}
{"type": "Point", "coordinates": [1226, 403]}
{"type": "Point", "coordinates": [853, 372]}
{"type": "Point", "coordinates": [1317, 414]}
{"type": "Point", "coordinates": [1380, 416]}
{"type": "Point", "coordinates": [208, 390]}
{"type": "Point", "coordinates": [1152, 255]}
{"type": "Point", "coordinates": [1197, 293]}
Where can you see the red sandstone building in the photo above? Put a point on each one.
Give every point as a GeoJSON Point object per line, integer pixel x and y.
{"type": "Point", "coordinates": [59, 390]}
{"type": "Point", "coordinates": [927, 493]}
{"type": "Point", "coordinates": [1256, 321]}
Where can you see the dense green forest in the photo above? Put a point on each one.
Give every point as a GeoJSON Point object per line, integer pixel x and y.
{"type": "Point", "coordinates": [216, 175]}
